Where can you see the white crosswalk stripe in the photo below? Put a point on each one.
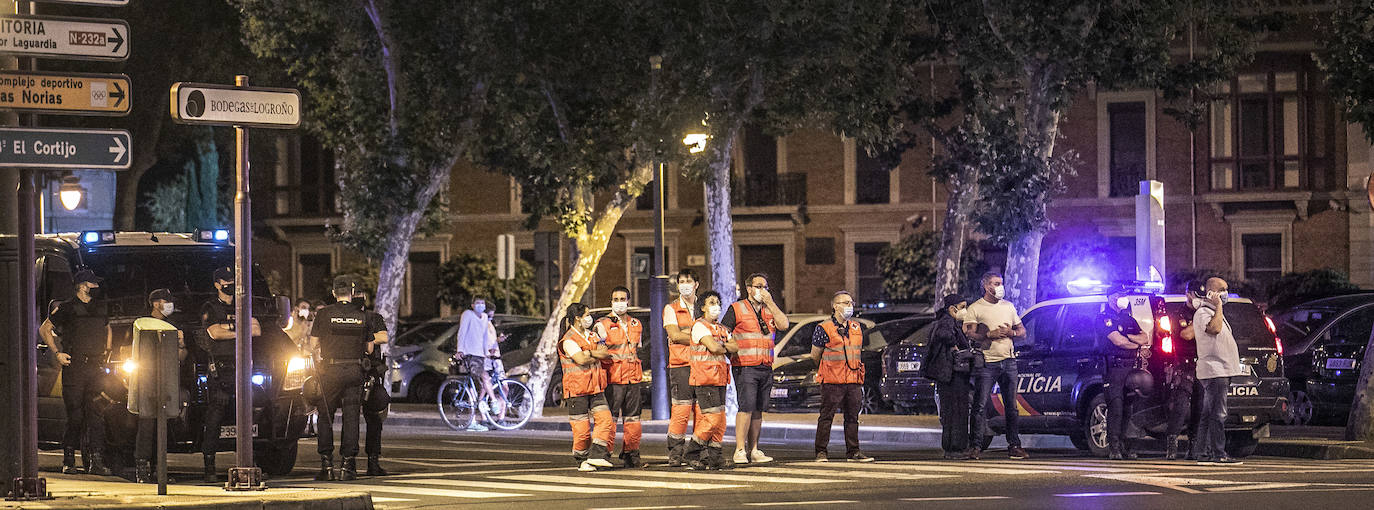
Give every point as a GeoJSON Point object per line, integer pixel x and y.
{"type": "Point", "coordinates": [488, 484]}
{"type": "Point", "coordinates": [930, 466]}
{"type": "Point", "coordinates": [620, 482]}
{"type": "Point", "coordinates": [732, 476]}
{"type": "Point", "coordinates": [425, 491]}
{"type": "Point", "coordinates": [847, 473]}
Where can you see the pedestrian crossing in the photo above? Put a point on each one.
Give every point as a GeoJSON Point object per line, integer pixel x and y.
{"type": "Point", "coordinates": [512, 485]}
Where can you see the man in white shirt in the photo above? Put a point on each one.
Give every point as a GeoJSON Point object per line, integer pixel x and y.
{"type": "Point", "coordinates": [1218, 360]}
{"type": "Point", "coordinates": [475, 345]}
{"type": "Point", "coordinates": [993, 324]}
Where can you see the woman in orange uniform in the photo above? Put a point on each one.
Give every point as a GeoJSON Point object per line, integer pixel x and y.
{"type": "Point", "coordinates": [584, 387]}
{"type": "Point", "coordinates": [711, 343]}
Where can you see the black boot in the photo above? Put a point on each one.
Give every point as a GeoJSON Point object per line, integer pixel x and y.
{"type": "Point", "coordinates": [326, 472]}
{"type": "Point", "coordinates": [676, 450]}
{"type": "Point", "coordinates": [1128, 451]}
{"type": "Point", "coordinates": [631, 459]}
{"type": "Point", "coordinates": [211, 474]}
{"type": "Point", "coordinates": [1114, 452]}
{"type": "Point", "coordinates": [143, 471]}
{"type": "Point", "coordinates": [374, 466]}
{"type": "Point", "coordinates": [98, 466]}
{"type": "Point", "coordinates": [1171, 448]}
{"type": "Point", "coordinates": [713, 457]}
{"type": "Point", "coordinates": [692, 454]}
{"type": "Point", "coordinates": [69, 461]}
{"type": "Point", "coordinates": [349, 472]}
{"type": "Point", "coordinates": [599, 451]}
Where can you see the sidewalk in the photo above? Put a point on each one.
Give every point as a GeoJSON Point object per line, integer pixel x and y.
{"type": "Point", "coordinates": [80, 491]}
{"type": "Point", "coordinates": [919, 432]}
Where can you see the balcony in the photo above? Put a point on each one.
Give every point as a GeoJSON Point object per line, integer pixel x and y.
{"type": "Point", "coordinates": [764, 190]}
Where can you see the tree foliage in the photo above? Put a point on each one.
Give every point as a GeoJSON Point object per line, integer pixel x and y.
{"type": "Point", "coordinates": [1347, 56]}
{"type": "Point", "coordinates": [908, 267]}
{"type": "Point", "coordinates": [467, 276]}
{"type": "Point", "coordinates": [1296, 288]}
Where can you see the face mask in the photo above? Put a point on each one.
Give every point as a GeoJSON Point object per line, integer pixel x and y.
{"type": "Point", "coordinates": [999, 291]}
{"type": "Point", "coordinates": [620, 307]}
{"type": "Point", "coordinates": [303, 313]}
{"type": "Point", "coordinates": [686, 289]}
{"type": "Point", "coordinates": [756, 294]}
{"type": "Point", "coordinates": [959, 314]}
{"type": "Point", "coordinates": [168, 308]}
{"type": "Point", "coordinates": [1123, 303]}
{"type": "Point", "coordinates": [848, 312]}
{"type": "Point", "coordinates": [227, 290]}
{"type": "Point", "coordinates": [587, 322]}
{"type": "Point", "coordinates": [713, 311]}
{"type": "Point", "coordinates": [479, 308]}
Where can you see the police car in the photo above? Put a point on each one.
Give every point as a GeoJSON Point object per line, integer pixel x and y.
{"type": "Point", "coordinates": [133, 264]}
{"type": "Point", "coordinates": [1061, 370]}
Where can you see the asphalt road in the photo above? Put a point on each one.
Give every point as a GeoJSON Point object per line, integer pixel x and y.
{"type": "Point", "coordinates": [441, 469]}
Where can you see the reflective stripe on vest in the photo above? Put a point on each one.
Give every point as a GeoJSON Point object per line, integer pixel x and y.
{"type": "Point", "coordinates": [580, 380]}
{"type": "Point", "coordinates": [680, 355]}
{"type": "Point", "coordinates": [755, 348]}
{"type": "Point", "coordinates": [710, 369]}
{"type": "Point", "coordinates": [841, 360]}
{"type": "Point", "coordinates": [623, 367]}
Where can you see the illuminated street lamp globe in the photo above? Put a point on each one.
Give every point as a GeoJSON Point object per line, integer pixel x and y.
{"type": "Point", "coordinates": [696, 142]}
{"type": "Point", "coordinates": [70, 193]}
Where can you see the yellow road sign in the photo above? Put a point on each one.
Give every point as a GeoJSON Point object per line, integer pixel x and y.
{"type": "Point", "coordinates": [66, 93]}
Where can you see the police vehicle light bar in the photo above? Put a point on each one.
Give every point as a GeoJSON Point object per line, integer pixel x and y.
{"type": "Point", "coordinates": [1089, 286]}
{"type": "Point", "coordinates": [98, 237]}
{"type": "Point", "coordinates": [218, 235]}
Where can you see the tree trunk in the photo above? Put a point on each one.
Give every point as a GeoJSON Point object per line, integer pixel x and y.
{"type": "Point", "coordinates": [1023, 268]}
{"type": "Point", "coordinates": [397, 253]}
{"type": "Point", "coordinates": [591, 245]}
{"type": "Point", "coordinates": [954, 234]}
{"type": "Point", "coordinates": [1360, 425]}
{"type": "Point", "coordinates": [144, 154]}
{"type": "Point", "coordinates": [720, 227]}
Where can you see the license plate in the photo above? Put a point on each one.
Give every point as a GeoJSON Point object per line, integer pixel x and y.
{"type": "Point", "coordinates": [229, 431]}
{"type": "Point", "coordinates": [1340, 363]}
{"type": "Point", "coordinates": [908, 366]}
{"type": "Point", "coordinates": [1249, 418]}
{"type": "Point", "coordinates": [779, 393]}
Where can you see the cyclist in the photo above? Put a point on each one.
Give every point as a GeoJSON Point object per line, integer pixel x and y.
{"type": "Point", "coordinates": [584, 385]}
{"type": "Point", "coordinates": [623, 371]}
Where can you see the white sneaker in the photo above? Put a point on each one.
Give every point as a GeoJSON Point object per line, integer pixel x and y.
{"type": "Point", "coordinates": [586, 466]}
{"type": "Point", "coordinates": [598, 462]}
{"type": "Point", "coordinates": [741, 457]}
{"type": "Point", "coordinates": [760, 457]}
{"type": "Point", "coordinates": [477, 427]}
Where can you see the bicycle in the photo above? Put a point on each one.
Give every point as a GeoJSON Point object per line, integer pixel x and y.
{"type": "Point", "coordinates": [460, 406]}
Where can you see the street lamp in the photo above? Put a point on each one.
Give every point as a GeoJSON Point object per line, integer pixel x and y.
{"type": "Point", "coordinates": [695, 142]}
{"type": "Point", "coordinates": [71, 192]}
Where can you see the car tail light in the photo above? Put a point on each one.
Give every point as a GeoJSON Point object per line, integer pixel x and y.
{"type": "Point", "coordinates": [1167, 345]}
{"type": "Point", "coordinates": [1278, 344]}
{"type": "Point", "coordinates": [1270, 322]}
{"type": "Point", "coordinates": [1166, 324]}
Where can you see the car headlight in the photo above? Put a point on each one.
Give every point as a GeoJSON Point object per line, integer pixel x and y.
{"type": "Point", "coordinates": [404, 358]}
{"type": "Point", "coordinates": [129, 366]}
{"type": "Point", "coordinates": [786, 378]}
{"type": "Point", "coordinates": [259, 379]}
{"type": "Point", "coordinates": [297, 369]}
{"type": "Point", "coordinates": [297, 364]}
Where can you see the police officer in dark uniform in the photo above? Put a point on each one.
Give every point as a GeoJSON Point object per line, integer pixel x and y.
{"type": "Point", "coordinates": [79, 332]}
{"type": "Point", "coordinates": [375, 398]}
{"type": "Point", "coordinates": [1124, 347]}
{"type": "Point", "coordinates": [218, 320]}
{"type": "Point", "coordinates": [1184, 401]}
{"type": "Point", "coordinates": [341, 337]}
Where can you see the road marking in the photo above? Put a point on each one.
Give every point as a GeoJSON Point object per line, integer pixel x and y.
{"type": "Point", "coordinates": [644, 507]}
{"type": "Point", "coordinates": [1011, 464]}
{"type": "Point", "coordinates": [561, 453]}
{"type": "Point", "coordinates": [798, 503]}
{"type": "Point", "coordinates": [456, 441]}
{"type": "Point", "coordinates": [731, 477]}
{"type": "Point", "coordinates": [384, 499]}
{"type": "Point", "coordinates": [954, 498]}
{"type": "Point", "coordinates": [488, 484]}
{"type": "Point", "coordinates": [924, 466]}
{"type": "Point", "coordinates": [844, 473]}
{"type": "Point", "coordinates": [1101, 494]}
{"type": "Point", "coordinates": [1258, 486]}
{"type": "Point", "coordinates": [424, 491]}
{"type": "Point", "coordinates": [646, 484]}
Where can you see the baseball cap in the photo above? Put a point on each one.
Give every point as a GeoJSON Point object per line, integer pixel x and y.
{"type": "Point", "coordinates": [86, 275]}
{"type": "Point", "coordinates": [224, 274]}
{"type": "Point", "coordinates": [345, 282]}
{"type": "Point", "coordinates": [953, 299]}
{"type": "Point", "coordinates": [163, 294]}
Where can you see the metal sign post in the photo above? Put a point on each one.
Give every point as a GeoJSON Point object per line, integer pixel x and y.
{"type": "Point", "coordinates": [154, 390]}
{"type": "Point", "coordinates": [505, 264]}
{"type": "Point", "coordinates": [240, 107]}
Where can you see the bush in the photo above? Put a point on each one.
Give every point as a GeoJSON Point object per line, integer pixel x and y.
{"type": "Point", "coordinates": [466, 275]}
{"type": "Point", "coordinates": [908, 267]}
{"type": "Point", "coordinates": [1296, 288]}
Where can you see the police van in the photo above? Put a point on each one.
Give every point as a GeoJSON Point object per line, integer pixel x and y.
{"type": "Point", "coordinates": [133, 264]}
{"type": "Point", "coordinates": [1062, 371]}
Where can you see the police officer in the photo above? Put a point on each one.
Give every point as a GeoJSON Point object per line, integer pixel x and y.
{"type": "Point", "coordinates": [1183, 402]}
{"type": "Point", "coordinates": [79, 332]}
{"type": "Point", "coordinates": [1126, 343]}
{"type": "Point", "coordinates": [218, 318]}
{"type": "Point", "coordinates": [375, 398]}
{"type": "Point", "coordinates": [162, 308]}
{"type": "Point", "coordinates": [341, 337]}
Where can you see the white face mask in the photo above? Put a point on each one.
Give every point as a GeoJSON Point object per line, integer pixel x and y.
{"type": "Point", "coordinates": [686, 289]}
{"type": "Point", "coordinates": [620, 307]}
{"type": "Point", "coordinates": [587, 322]}
{"type": "Point", "coordinates": [303, 313]}
{"type": "Point", "coordinates": [960, 314]}
{"type": "Point", "coordinates": [999, 291]}
{"type": "Point", "coordinates": [713, 311]}
{"type": "Point", "coordinates": [168, 308]}
{"type": "Point", "coordinates": [479, 308]}
{"type": "Point", "coordinates": [847, 311]}
{"type": "Point", "coordinates": [1123, 303]}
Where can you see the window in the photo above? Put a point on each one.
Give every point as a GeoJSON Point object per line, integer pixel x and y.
{"type": "Point", "coordinates": [424, 284]}
{"type": "Point", "coordinates": [1268, 131]}
{"type": "Point", "coordinates": [57, 283]}
{"type": "Point", "coordinates": [639, 284]}
{"type": "Point", "coordinates": [423, 334]}
{"type": "Point", "coordinates": [1080, 328]}
{"type": "Point", "coordinates": [1263, 256]}
{"type": "Point", "coordinates": [820, 251]}
{"type": "Point", "coordinates": [1353, 328]}
{"type": "Point", "coordinates": [800, 343]}
{"type": "Point", "coordinates": [313, 191]}
{"type": "Point", "coordinates": [1126, 146]}
{"type": "Point", "coordinates": [868, 277]}
{"type": "Point", "coordinates": [873, 179]}
{"type": "Point", "coordinates": [314, 270]}
{"type": "Point", "coordinates": [1041, 325]}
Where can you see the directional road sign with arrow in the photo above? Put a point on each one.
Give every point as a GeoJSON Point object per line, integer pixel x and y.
{"type": "Point", "coordinates": [59, 37]}
{"type": "Point", "coordinates": [65, 148]}
{"type": "Point", "coordinates": [66, 93]}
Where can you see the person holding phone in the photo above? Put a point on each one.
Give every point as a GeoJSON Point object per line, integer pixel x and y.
{"type": "Point", "coordinates": [1218, 360]}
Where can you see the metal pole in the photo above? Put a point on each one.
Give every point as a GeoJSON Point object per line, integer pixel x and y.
{"type": "Point", "coordinates": [243, 302]}
{"type": "Point", "coordinates": [657, 293]}
{"type": "Point", "coordinates": [161, 416]}
{"type": "Point", "coordinates": [28, 321]}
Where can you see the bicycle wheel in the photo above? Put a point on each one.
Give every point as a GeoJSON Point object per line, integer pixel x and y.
{"type": "Point", "coordinates": [519, 406]}
{"type": "Point", "coordinates": [458, 403]}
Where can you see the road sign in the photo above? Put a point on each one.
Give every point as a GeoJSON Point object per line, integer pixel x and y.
{"type": "Point", "coordinates": [109, 3]}
{"type": "Point", "coordinates": [505, 257]}
{"type": "Point", "coordinates": [65, 148]}
{"type": "Point", "coordinates": [227, 105]}
{"type": "Point", "coordinates": [67, 93]}
{"type": "Point", "coordinates": [59, 37]}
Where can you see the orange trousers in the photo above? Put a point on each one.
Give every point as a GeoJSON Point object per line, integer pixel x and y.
{"type": "Point", "coordinates": [582, 412]}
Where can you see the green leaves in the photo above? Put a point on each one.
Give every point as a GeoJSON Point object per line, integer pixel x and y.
{"type": "Point", "coordinates": [909, 267]}
{"type": "Point", "coordinates": [1347, 56]}
{"type": "Point", "coordinates": [467, 276]}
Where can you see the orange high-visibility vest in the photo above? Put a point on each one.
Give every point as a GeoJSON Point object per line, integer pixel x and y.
{"type": "Point", "coordinates": [623, 342]}
{"type": "Point", "coordinates": [710, 369]}
{"type": "Point", "coordinates": [755, 348]}
{"type": "Point", "coordinates": [580, 380]}
{"type": "Point", "coordinates": [841, 360]}
{"type": "Point", "coordinates": [681, 355]}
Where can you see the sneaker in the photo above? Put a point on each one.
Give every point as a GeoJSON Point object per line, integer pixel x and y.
{"type": "Point", "coordinates": [759, 457]}
{"type": "Point", "coordinates": [821, 457]}
{"type": "Point", "coordinates": [586, 466]}
{"type": "Point", "coordinates": [741, 457]}
{"type": "Point", "coordinates": [598, 462]}
{"type": "Point", "coordinates": [477, 427]}
{"type": "Point", "coordinates": [1227, 461]}
{"type": "Point", "coordinates": [859, 457]}
{"type": "Point", "coordinates": [1018, 453]}
{"type": "Point", "coordinates": [1131, 455]}
{"type": "Point", "coordinates": [1114, 454]}
{"type": "Point", "coordinates": [973, 454]}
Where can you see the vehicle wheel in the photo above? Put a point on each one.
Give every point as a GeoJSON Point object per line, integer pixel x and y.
{"type": "Point", "coordinates": [554, 398]}
{"type": "Point", "coordinates": [425, 388]}
{"type": "Point", "coordinates": [1241, 444]}
{"type": "Point", "coordinates": [870, 401]}
{"type": "Point", "coordinates": [458, 403]}
{"type": "Point", "coordinates": [277, 459]}
{"type": "Point", "coordinates": [1300, 408]}
{"type": "Point", "coordinates": [1094, 427]}
{"type": "Point", "coordinates": [519, 406]}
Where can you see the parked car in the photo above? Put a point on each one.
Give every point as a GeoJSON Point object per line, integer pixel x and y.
{"type": "Point", "coordinates": [1323, 345]}
{"type": "Point", "coordinates": [418, 360]}
{"type": "Point", "coordinates": [882, 312]}
{"type": "Point", "coordinates": [794, 372]}
{"type": "Point", "coordinates": [1061, 373]}
{"type": "Point", "coordinates": [133, 264]}
{"type": "Point", "coordinates": [902, 385]}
